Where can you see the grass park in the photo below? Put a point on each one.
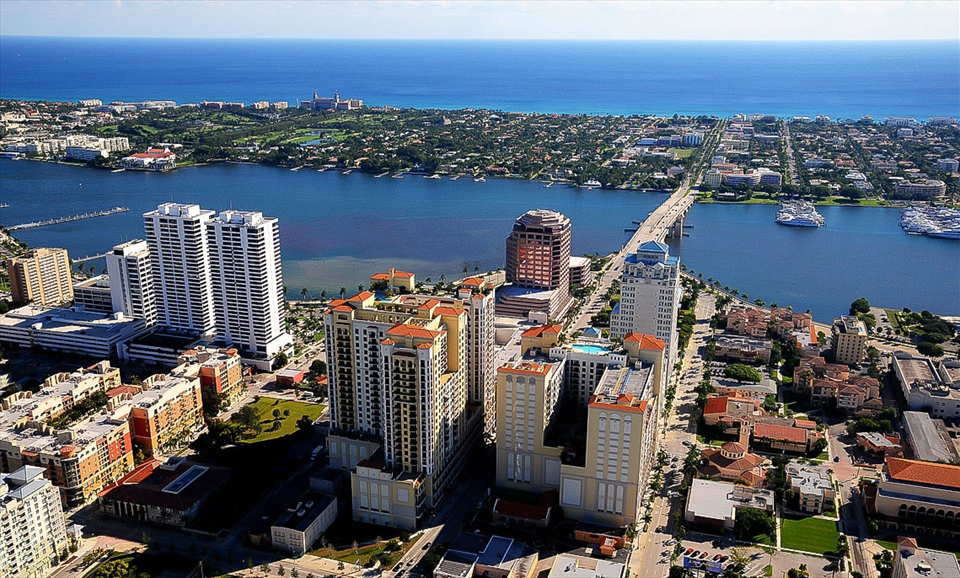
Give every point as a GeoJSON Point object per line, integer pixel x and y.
{"type": "Point", "coordinates": [816, 535]}
{"type": "Point", "coordinates": [288, 424]}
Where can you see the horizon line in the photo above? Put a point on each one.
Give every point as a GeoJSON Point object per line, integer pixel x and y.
{"type": "Point", "coordinates": [447, 39]}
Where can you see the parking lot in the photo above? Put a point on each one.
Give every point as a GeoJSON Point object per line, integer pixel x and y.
{"type": "Point", "coordinates": [714, 548]}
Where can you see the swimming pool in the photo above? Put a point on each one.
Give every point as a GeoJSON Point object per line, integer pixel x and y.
{"type": "Point", "coordinates": [592, 349]}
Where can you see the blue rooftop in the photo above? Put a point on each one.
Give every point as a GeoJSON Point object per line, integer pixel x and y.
{"type": "Point", "coordinates": [654, 247]}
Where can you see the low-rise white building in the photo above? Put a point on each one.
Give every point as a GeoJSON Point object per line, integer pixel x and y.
{"type": "Point", "coordinates": [70, 330]}
{"type": "Point", "coordinates": [812, 485]}
{"type": "Point", "coordinates": [300, 526]}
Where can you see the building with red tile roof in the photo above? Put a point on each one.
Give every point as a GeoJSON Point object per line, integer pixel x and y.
{"type": "Point", "coordinates": [918, 497]}
{"type": "Point", "coordinates": [788, 438]}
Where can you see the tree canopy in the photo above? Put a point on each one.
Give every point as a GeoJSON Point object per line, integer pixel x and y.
{"type": "Point", "coordinates": [860, 305]}
{"type": "Point", "coordinates": [742, 373]}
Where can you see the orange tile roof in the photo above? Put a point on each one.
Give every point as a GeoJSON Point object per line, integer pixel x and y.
{"type": "Point", "coordinates": [343, 309]}
{"type": "Point", "coordinates": [336, 302]}
{"type": "Point", "coordinates": [646, 341]}
{"type": "Point", "coordinates": [430, 304]}
{"type": "Point", "coordinates": [380, 277]}
{"type": "Point", "coordinates": [402, 274]}
{"type": "Point", "coordinates": [123, 389]}
{"type": "Point", "coordinates": [528, 368]}
{"type": "Point", "coordinates": [805, 423]}
{"type": "Point", "coordinates": [779, 432]}
{"type": "Point", "coordinates": [715, 405]}
{"type": "Point", "coordinates": [473, 282]}
{"type": "Point", "coordinates": [363, 296]}
{"type": "Point", "coordinates": [448, 311]}
{"type": "Point", "coordinates": [538, 331]}
{"type": "Point", "coordinates": [405, 330]}
{"type": "Point", "coordinates": [924, 473]}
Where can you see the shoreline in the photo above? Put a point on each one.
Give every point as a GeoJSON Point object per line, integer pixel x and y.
{"type": "Point", "coordinates": [649, 191]}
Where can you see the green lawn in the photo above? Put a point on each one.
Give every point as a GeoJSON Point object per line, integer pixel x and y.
{"type": "Point", "coordinates": [288, 425]}
{"type": "Point", "coordinates": [815, 535]}
{"type": "Point", "coordinates": [683, 153]}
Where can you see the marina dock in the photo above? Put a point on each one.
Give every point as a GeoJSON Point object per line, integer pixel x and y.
{"type": "Point", "coordinates": [59, 220]}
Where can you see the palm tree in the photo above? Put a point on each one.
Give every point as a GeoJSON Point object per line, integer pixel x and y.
{"type": "Point", "coordinates": [359, 288]}
{"type": "Point", "coordinates": [323, 295]}
{"type": "Point", "coordinates": [343, 292]}
{"type": "Point", "coordinates": [760, 302]}
{"type": "Point", "coordinates": [303, 293]}
{"type": "Point", "coordinates": [443, 278]}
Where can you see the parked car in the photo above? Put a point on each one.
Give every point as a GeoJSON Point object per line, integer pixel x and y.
{"type": "Point", "coordinates": [717, 557]}
{"type": "Point", "coordinates": [724, 558]}
{"type": "Point", "coordinates": [704, 555]}
{"type": "Point", "coordinates": [695, 554]}
{"type": "Point", "coordinates": [688, 552]}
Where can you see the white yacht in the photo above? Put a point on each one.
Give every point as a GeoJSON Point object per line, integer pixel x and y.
{"type": "Point", "coordinates": [799, 214]}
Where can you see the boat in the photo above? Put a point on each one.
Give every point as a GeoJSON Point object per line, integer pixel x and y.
{"type": "Point", "coordinates": [593, 183]}
{"type": "Point", "coordinates": [799, 214]}
{"type": "Point", "coordinates": [939, 222]}
{"type": "Point", "coordinates": [454, 177]}
{"type": "Point", "coordinates": [117, 170]}
{"type": "Point", "coordinates": [432, 177]}
{"type": "Point", "coordinates": [347, 172]}
{"type": "Point", "coordinates": [382, 174]}
{"type": "Point", "coordinates": [479, 180]}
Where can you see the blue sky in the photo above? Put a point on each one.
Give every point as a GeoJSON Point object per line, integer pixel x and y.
{"type": "Point", "coordinates": [519, 19]}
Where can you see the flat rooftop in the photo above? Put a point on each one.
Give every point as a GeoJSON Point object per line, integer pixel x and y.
{"type": "Point", "coordinates": [718, 500]}
{"type": "Point", "coordinates": [916, 369]}
{"type": "Point", "coordinates": [311, 504]}
{"type": "Point", "coordinates": [64, 320]}
{"type": "Point", "coordinates": [930, 442]}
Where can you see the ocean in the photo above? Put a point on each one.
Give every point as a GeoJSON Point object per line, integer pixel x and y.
{"type": "Point", "coordinates": [336, 230]}
{"type": "Point", "coordinates": [840, 79]}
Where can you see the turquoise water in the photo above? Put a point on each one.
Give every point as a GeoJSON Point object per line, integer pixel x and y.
{"type": "Point", "coordinates": [842, 79]}
{"type": "Point", "coordinates": [592, 349]}
{"type": "Point", "coordinates": [337, 230]}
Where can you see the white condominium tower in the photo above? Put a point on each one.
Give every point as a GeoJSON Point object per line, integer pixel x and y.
{"type": "Point", "coordinates": [32, 531]}
{"type": "Point", "coordinates": [131, 281]}
{"type": "Point", "coordinates": [650, 297]}
{"type": "Point", "coordinates": [247, 281]}
{"type": "Point", "coordinates": [176, 236]}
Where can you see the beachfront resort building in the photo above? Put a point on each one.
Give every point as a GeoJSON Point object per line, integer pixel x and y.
{"type": "Point", "coordinates": [40, 277]}
{"type": "Point", "coordinates": [537, 265]}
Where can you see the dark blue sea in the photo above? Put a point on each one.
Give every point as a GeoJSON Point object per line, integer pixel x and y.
{"type": "Point", "coordinates": [336, 230]}
{"type": "Point", "coordinates": [841, 79]}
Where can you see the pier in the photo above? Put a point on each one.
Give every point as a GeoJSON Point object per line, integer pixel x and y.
{"type": "Point", "coordinates": [90, 258]}
{"type": "Point", "coordinates": [59, 220]}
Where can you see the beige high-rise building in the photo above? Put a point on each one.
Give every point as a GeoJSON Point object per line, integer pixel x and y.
{"type": "Point", "coordinates": [600, 482]}
{"type": "Point", "coordinates": [400, 376]}
{"type": "Point", "coordinates": [848, 339]}
{"type": "Point", "coordinates": [41, 277]}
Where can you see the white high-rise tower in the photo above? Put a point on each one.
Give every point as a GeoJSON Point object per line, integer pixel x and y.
{"type": "Point", "coordinates": [247, 281]}
{"type": "Point", "coordinates": [131, 281]}
{"type": "Point", "coordinates": [650, 297]}
{"type": "Point", "coordinates": [177, 239]}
